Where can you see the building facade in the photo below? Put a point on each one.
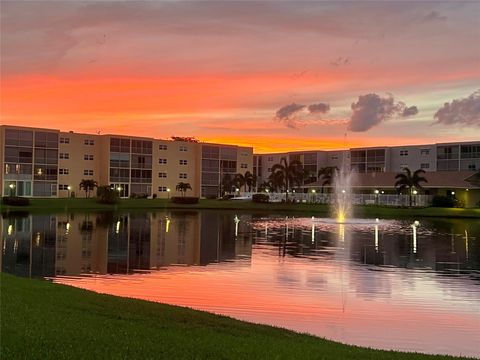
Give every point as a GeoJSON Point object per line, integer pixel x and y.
{"type": "Point", "coordinates": [49, 163]}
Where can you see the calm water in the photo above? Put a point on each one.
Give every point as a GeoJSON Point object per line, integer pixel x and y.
{"type": "Point", "coordinates": [369, 284]}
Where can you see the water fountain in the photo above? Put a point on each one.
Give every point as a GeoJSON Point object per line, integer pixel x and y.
{"type": "Point", "coordinates": [342, 194]}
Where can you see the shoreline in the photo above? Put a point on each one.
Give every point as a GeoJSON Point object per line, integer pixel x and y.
{"type": "Point", "coordinates": [367, 211]}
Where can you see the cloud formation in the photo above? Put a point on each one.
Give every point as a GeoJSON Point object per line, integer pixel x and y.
{"type": "Point", "coordinates": [464, 111]}
{"type": "Point", "coordinates": [320, 108]}
{"type": "Point", "coordinates": [371, 110]}
{"type": "Point", "coordinates": [293, 116]}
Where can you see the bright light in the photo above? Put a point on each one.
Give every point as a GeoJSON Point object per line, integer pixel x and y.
{"type": "Point", "coordinates": [117, 227]}
{"type": "Point", "coordinates": [453, 192]}
{"type": "Point", "coordinates": [237, 189]}
{"type": "Point", "coordinates": [119, 188]}
{"type": "Point", "coordinates": [69, 188]}
{"type": "Point", "coordinates": [266, 190]}
{"type": "Point", "coordinates": [10, 230]}
{"type": "Point", "coordinates": [11, 186]}
{"type": "Point", "coordinates": [167, 226]}
{"type": "Point", "coordinates": [467, 189]}
{"type": "Point", "coordinates": [376, 192]}
{"type": "Point", "coordinates": [416, 223]}
{"type": "Point", "coordinates": [415, 192]}
{"type": "Point", "coordinates": [314, 191]}
{"type": "Point", "coordinates": [343, 191]}
{"type": "Point", "coordinates": [67, 228]}
{"type": "Point", "coordinates": [39, 171]}
{"type": "Point", "coordinates": [168, 189]}
{"type": "Point", "coordinates": [383, 192]}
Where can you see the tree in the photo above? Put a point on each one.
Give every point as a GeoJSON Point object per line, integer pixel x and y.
{"type": "Point", "coordinates": [183, 187]}
{"type": "Point", "coordinates": [88, 185]}
{"type": "Point", "coordinates": [227, 183]}
{"type": "Point", "coordinates": [410, 181]}
{"type": "Point", "coordinates": [326, 174]}
{"type": "Point", "coordinates": [185, 139]}
{"type": "Point", "coordinates": [250, 180]}
{"type": "Point", "coordinates": [106, 195]}
{"type": "Point", "coordinates": [287, 174]}
{"type": "Point", "coordinates": [239, 180]}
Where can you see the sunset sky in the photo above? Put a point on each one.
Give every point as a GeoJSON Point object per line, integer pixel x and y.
{"type": "Point", "coordinates": [273, 75]}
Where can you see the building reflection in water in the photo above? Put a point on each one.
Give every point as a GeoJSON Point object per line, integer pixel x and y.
{"type": "Point", "coordinates": [73, 244]}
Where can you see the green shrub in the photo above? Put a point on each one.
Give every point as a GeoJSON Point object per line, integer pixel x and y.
{"type": "Point", "coordinates": [106, 195]}
{"type": "Point", "coordinates": [260, 198]}
{"type": "Point", "coordinates": [15, 201]}
{"type": "Point", "coordinates": [185, 200]}
{"type": "Point", "coordinates": [443, 201]}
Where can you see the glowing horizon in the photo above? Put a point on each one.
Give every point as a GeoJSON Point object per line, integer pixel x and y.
{"type": "Point", "coordinates": [244, 73]}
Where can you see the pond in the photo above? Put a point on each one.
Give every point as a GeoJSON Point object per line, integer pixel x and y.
{"type": "Point", "coordinates": [386, 284]}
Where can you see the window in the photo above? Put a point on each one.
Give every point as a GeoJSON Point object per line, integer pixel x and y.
{"type": "Point", "coordinates": [472, 167]}
{"type": "Point", "coordinates": [334, 157]}
{"type": "Point", "coordinates": [162, 188]}
{"type": "Point", "coordinates": [243, 154]}
{"type": "Point", "coordinates": [87, 157]}
{"type": "Point", "coordinates": [62, 187]}
{"type": "Point", "coordinates": [64, 140]}
{"type": "Point", "coordinates": [403, 152]}
{"type": "Point", "coordinates": [88, 172]}
{"type": "Point", "coordinates": [269, 169]}
{"type": "Point", "coordinates": [162, 161]}
{"type": "Point", "coordinates": [183, 148]}
{"type": "Point", "coordinates": [64, 156]}
{"type": "Point", "coordinates": [88, 142]}
{"type": "Point", "coordinates": [162, 174]}
{"type": "Point", "coordinates": [403, 166]}
{"type": "Point", "coordinates": [270, 158]}
{"type": "Point", "coordinates": [162, 147]}
{"type": "Point", "coordinates": [183, 162]}
{"type": "Point", "coordinates": [182, 175]}
{"type": "Point", "coordinates": [63, 171]}
{"type": "Point", "coordinates": [425, 166]}
{"type": "Point", "coordinates": [424, 151]}
{"type": "Point", "coordinates": [244, 166]}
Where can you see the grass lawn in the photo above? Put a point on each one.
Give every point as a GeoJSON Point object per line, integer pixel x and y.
{"type": "Point", "coordinates": [82, 204]}
{"type": "Point", "coordinates": [41, 320]}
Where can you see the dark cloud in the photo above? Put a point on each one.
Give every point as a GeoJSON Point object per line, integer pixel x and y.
{"type": "Point", "coordinates": [286, 114]}
{"type": "Point", "coordinates": [340, 61]}
{"type": "Point", "coordinates": [319, 108]}
{"type": "Point", "coordinates": [410, 111]}
{"type": "Point", "coordinates": [371, 110]}
{"type": "Point", "coordinates": [464, 111]}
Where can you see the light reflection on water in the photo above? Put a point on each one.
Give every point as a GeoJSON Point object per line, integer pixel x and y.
{"type": "Point", "coordinates": [365, 283]}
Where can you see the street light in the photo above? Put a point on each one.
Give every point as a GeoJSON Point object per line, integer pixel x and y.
{"type": "Point", "coordinates": [12, 189]}
{"type": "Point", "coordinates": [168, 193]}
{"type": "Point", "coordinates": [69, 188]}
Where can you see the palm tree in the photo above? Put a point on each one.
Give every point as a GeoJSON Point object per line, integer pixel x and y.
{"type": "Point", "coordinates": [183, 187]}
{"type": "Point", "coordinates": [88, 185]}
{"type": "Point", "coordinates": [227, 183]}
{"type": "Point", "coordinates": [326, 174]}
{"type": "Point", "coordinates": [264, 186]}
{"type": "Point", "coordinates": [239, 181]}
{"type": "Point", "coordinates": [287, 174]}
{"type": "Point", "coordinates": [410, 181]}
{"type": "Point", "coordinates": [250, 180]}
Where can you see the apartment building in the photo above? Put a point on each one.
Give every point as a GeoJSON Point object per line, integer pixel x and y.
{"type": "Point", "coordinates": [40, 162]}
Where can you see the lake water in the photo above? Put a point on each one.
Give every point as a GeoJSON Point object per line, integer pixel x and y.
{"type": "Point", "coordinates": [369, 283]}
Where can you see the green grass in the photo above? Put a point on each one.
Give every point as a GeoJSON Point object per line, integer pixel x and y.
{"type": "Point", "coordinates": [82, 204]}
{"type": "Point", "coordinates": [41, 320]}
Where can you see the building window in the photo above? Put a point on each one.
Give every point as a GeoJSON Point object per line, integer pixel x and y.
{"type": "Point", "coordinates": [403, 152]}
{"type": "Point", "coordinates": [162, 161]}
{"type": "Point", "coordinates": [62, 187]}
{"type": "Point", "coordinates": [88, 142]}
{"type": "Point", "coordinates": [64, 140]}
{"type": "Point", "coordinates": [182, 175]}
{"type": "Point", "coordinates": [63, 171]}
{"type": "Point", "coordinates": [183, 148]}
{"type": "Point", "coordinates": [183, 162]}
{"type": "Point", "coordinates": [269, 169]}
{"type": "Point", "coordinates": [162, 174]}
{"type": "Point", "coordinates": [334, 157]}
{"type": "Point", "coordinates": [162, 188]}
{"type": "Point", "coordinates": [88, 172]}
{"type": "Point", "coordinates": [403, 166]}
{"type": "Point", "coordinates": [472, 167]}
{"type": "Point", "coordinates": [64, 156]}
{"type": "Point", "coordinates": [424, 151]}
{"type": "Point", "coordinates": [425, 166]}
{"type": "Point", "coordinates": [270, 158]}
{"type": "Point", "coordinates": [244, 166]}
{"type": "Point", "coordinates": [87, 157]}
{"type": "Point", "coordinates": [162, 147]}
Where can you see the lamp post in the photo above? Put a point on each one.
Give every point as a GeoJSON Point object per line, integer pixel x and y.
{"type": "Point", "coordinates": [168, 193]}
{"type": "Point", "coordinates": [69, 188]}
{"type": "Point", "coordinates": [313, 195]}
{"type": "Point", "coordinates": [376, 196]}
{"type": "Point", "coordinates": [119, 189]}
{"type": "Point", "coordinates": [12, 189]}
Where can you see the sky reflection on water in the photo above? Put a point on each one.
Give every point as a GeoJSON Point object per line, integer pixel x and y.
{"type": "Point", "coordinates": [335, 281]}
